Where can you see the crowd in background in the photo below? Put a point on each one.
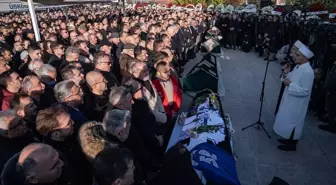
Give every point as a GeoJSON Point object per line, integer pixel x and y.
{"type": "Point", "coordinates": [95, 100]}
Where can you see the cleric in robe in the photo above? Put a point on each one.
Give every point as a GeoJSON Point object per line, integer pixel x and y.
{"type": "Point", "coordinates": [290, 118]}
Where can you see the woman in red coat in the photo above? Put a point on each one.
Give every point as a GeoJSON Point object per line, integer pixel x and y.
{"type": "Point", "coordinates": [168, 88]}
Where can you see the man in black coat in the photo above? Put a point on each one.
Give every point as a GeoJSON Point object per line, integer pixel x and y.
{"type": "Point", "coordinates": [57, 58]}
{"type": "Point", "coordinates": [25, 107]}
{"type": "Point", "coordinates": [34, 52]}
{"type": "Point", "coordinates": [117, 130]}
{"type": "Point", "coordinates": [96, 101]}
{"type": "Point", "coordinates": [64, 38]}
{"type": "Point", "coordinates": [14, 135]}
{"type": "Point", "coordinates": [103, 64]}
{"type": "Point", "coordinates": [57, 130]}
{"type": "Point", "coordinates": [38, 164]}
{"type": "Point", "coordinates": [3, 43]}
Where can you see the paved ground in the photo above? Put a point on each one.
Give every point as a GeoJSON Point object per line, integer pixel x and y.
{"type": "Point", "coordinates": [258, 159]}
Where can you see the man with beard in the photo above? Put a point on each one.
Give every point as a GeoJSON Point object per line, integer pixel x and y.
{"type": "Point", "coordinates": [70, 95]}
{"type": "Point", "coordinates": [57, 130]}
{"type": "Point", "coordinates": [289, 122]}
{"type": "Point", "coordinates": [14, 135]}
{"type": "Point", "coordinates": [168, 88]}
{"type": "Point", "coordinates": [25, 107]}
{"type": "Point", "coordinates": [11, 83]}
{"type": "Point", "coordinates": [38, 164]}
{"type": "Point", "coordinates": [96, 101]}
{"type": "Point", "coordinates": [291, 65]}
{"type": "Point", "coordinates": [103, 64]}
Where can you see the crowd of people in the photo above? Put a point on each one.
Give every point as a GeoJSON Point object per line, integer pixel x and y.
{"type": "Point", "coordinates": [94, 102]}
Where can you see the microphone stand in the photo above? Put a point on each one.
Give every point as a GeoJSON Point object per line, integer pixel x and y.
{"type": "Point", "coordinates": [259, 123]}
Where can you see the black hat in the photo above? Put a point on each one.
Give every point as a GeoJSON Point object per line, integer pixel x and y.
{"type": "Point", "coordinates": [104, 42]}
{"type": "Point", "coordinates": [115, 34]}
{"type": "Point", "coordinates": [129, 46]}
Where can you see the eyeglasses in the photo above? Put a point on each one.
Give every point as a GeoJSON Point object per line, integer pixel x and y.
{"type": "Point", "coordinates": [104, 81]}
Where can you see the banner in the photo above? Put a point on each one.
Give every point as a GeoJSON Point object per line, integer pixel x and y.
{"type": "Point", "coordinates": [23, 6]}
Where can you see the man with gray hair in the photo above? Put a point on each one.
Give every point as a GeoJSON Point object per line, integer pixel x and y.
{"type": "Point", "coordinates": [70, 95]}
{"type": "Point", "coordinates": [117, 123]}
{"type": "Point", "coordinates": [121, 98]}
{"type": "Point", "coordinates": [116, 129]}
{"type": "Point", "coordinates": [47, 73]}
{"type": "Point", "coordinates": [35, 65]}
{"type": "Point", "coordinates": [72, 54]}
{"type": "Point", "coordinates": [103, 63]}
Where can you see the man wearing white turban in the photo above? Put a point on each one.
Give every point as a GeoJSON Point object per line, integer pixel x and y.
{"type": "Point", "coordinates": [290, 118]}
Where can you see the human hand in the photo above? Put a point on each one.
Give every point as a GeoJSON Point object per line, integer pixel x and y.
{"type": "Point", "coordinates": [286, 68]}
{"type": "Point", "coordinates": [287, 82]}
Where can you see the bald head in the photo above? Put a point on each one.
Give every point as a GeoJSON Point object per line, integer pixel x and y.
{"type": "Point", "coordinates": [40, 163]}
{"type": "Point", "coordinates": [171, 30]}
{"type": "Point", "coordinates": [30, 150]}
{"type": "Point", "coordinates": [93, 77]}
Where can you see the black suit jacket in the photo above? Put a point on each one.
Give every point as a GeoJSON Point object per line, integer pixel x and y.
{"type": "Point", "coordinates": [4, 44]}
